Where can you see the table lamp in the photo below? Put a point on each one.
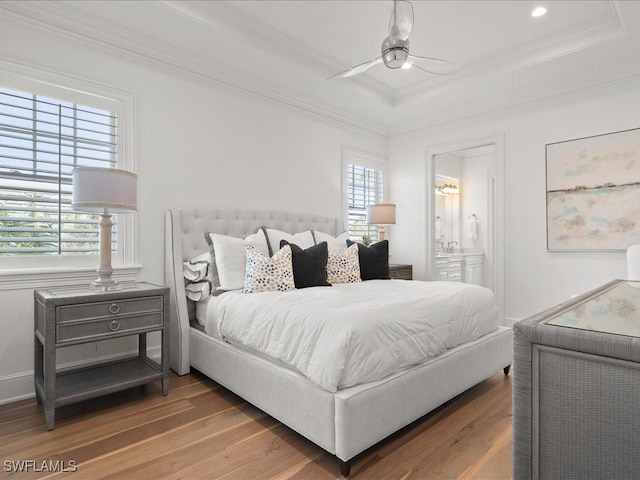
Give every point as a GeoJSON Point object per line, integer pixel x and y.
{"type": "Point", "coordinates": [381, 214]}
{"type": "Point", "coordinates": [104, 191]}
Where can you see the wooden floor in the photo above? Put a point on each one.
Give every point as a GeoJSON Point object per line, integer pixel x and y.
{"type": "Point", "coordinates": [202, 431]}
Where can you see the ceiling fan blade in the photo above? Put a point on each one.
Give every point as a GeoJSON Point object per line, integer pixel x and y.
{"type": "Point", "coordinates": [401, 21]}
{"type": "Point", "coordinates": [433, 65]}
{"type": "Point", "coordinates": [358, 69]}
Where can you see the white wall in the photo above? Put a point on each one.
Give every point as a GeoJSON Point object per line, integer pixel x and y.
{"type": "Point", "coordinates": [198, 144]}
{"type": "Point", "coordinates": [534, 278]}
{"type": "Point", "coordinates": [474, 197]}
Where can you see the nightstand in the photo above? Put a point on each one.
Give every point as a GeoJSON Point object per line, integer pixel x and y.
{"type": "Point", "coordinates": [74, 315]}
{"type": "Point", "coordinates": [402, 272]}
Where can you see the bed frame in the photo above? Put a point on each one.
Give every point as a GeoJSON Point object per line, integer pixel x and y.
{"type": "Point", "coordinates": [344, 423]}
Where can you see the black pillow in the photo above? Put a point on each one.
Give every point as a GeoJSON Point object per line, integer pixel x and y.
{"type": "Point", "coordinates": [310, 265]}
{"type": "Point", "coordinates": [374, 260]}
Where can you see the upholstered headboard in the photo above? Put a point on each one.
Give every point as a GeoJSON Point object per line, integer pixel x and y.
{"type": "Point", "coordinates": [184, 239]}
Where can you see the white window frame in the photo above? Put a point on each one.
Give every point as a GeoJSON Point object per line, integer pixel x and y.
{"type": "Point", "coordinates": [352, 156]}
{"type": "Point", "coordinates": [27, 270]}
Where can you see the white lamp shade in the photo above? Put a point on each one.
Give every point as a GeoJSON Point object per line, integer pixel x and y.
{"type": "Point", "coordinates": [633, 263]}
{"type": "Point", "coordinates": [381, 214]}
{"type": "Point", "coordinates": [100, 190]}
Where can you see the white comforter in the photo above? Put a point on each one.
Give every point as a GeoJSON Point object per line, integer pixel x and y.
{"type": "Point", "coordinates": [354, 333]}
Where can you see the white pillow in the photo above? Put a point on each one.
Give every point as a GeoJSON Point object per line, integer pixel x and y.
{"type": "Point", "coordinates": [343, 266]}
{"type": "Point", "coordinates": [269, 274]}
{"type": "Point", "coordinates": [195, 270]}
{"type": "Point", "coordinates": [229, 254]}
{"type": "Point", "coordinates": [333, 243]}
{"type": "Point", "coordinates": [198, 291]}
{"type": "Point", "coordinates": [303, 239]}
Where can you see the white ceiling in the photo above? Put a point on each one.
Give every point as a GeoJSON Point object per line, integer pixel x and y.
{"type": "Point", "coordinates": [286, 50]}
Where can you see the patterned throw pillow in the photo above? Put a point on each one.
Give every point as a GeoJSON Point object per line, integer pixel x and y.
{"type": "Point", "coordinates": [264, 274]}
{"type": "Point", "coordinates": [198, 291]}
{"type": "Point", "coordinates": [196, 269]}
{"type": "Point", "coordinates": [343, 266]}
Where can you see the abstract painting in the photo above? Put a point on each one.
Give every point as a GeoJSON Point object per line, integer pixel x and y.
{"type": "Point", "coordinates": [593, 192]}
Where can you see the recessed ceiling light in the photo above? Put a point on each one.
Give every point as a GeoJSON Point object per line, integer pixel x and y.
{"type": "Point", "coordinates": [538, 12]}
{"type": "Point", "coordinates": [406, 66]}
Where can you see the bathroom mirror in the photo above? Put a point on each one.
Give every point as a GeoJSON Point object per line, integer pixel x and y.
{"type": "Point", "coordinates": [447, 203]}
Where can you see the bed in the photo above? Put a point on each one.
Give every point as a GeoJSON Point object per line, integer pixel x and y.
{"type": "Point", "coordinates": [344, 422]}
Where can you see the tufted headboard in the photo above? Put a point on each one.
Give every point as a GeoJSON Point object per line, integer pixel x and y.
{"type": "Point", "coordinates": [184, 239]}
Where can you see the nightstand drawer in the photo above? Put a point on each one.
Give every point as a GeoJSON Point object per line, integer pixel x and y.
{"type": "Point", "coordinates": [98, 328]}
{"type": "Point", "coordinates": [403, 274]}
{"type": "Point", "coordinates": [70, 313]}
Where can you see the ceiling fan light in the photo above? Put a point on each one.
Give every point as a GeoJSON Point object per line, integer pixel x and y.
{"type": "Point", "coordinates": [395, 58]}
{"type": "Point", "coordinates": [395, 48]}
{"type": "Point", "coordinates": [395, 52]}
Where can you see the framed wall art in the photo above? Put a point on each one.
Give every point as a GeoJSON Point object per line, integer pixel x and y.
{"type": "Point", "coordinates": [593, 192]}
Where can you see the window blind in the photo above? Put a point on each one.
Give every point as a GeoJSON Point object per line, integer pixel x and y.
{"type": "Point", "coordinates": [365, 187]}
{"type": "Point", "coordinates": [41, 140]}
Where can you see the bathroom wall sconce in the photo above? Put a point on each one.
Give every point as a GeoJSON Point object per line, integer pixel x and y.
{"type": "Point", "coordinates": [447, 189]}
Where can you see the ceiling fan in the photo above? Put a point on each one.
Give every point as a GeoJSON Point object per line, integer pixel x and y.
{"type": "Point", "coordinates": [395, 48]}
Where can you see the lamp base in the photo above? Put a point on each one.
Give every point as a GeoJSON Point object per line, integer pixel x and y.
{"type": "Point", "coordinates": [100, 285]}
{"type": "Point", "coordinates": [105, 283]}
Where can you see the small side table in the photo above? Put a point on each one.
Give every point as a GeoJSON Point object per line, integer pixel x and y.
{"type": "Point", "coordinates": [74, 315]}
{"type": "Point", "coordinates": [576, 387]}
{"type": "Point", "coordinates": [402, 272]}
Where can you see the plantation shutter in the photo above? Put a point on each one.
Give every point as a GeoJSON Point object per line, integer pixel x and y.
{"type": "Point", "coordinates": [365, 187]}
{"type": "Point", "coordinates": [41, 141]}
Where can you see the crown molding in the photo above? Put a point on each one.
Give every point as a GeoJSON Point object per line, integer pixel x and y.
{"type": "Point", "coordinates": [64, 19]}
{"type": "Point", "coordinates": [571, 40]}
{"type": "Point", "coordinates": [490, 106]}
{"type": "Point", "coordinates": [223, 16]}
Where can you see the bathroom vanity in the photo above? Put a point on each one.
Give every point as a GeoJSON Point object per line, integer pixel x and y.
{"type": "Point", "coordinates": [460, 266]}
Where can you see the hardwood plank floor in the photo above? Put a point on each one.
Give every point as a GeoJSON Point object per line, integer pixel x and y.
{"type": "Point", "coordinates": [203, 431]}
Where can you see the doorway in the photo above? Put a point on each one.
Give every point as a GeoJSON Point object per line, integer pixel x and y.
{"type": "Point", "coordinates": [477, 219]}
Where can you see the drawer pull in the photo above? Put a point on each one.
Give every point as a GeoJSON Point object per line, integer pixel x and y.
{"type": "Point", "coordinates": [114, 308]}
{"type": "Point", "coordinates": [114, 326]}
{"type": "Point", "coordinates": [397, 274]}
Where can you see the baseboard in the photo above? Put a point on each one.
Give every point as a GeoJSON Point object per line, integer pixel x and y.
{"type": "Point", "coordinates": [19, 386]}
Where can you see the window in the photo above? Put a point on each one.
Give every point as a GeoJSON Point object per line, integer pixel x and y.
{"type": "Point", "coordinates": [58, 121]}
{"type": "Point", "coordinates": [41, 140]}
{"type": "Point", "coordinates": [365, 182]}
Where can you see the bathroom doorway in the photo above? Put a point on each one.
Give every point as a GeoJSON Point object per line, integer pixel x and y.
{"type": "Point", "coordinates": [465, 212]}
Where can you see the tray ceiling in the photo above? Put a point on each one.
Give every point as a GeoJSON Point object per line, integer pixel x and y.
{"type": "Point", "coordinates": [286, 50]}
